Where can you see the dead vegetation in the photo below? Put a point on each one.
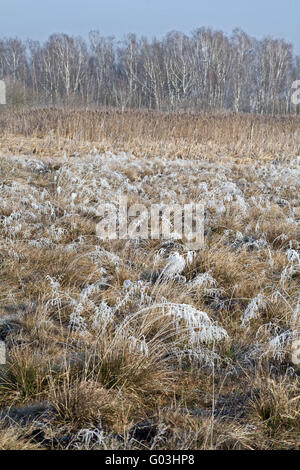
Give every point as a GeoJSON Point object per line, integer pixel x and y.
{"type": "Point", "coordinates": [143, 344]}
{"type": "Point", "coordinates": [49, 132]}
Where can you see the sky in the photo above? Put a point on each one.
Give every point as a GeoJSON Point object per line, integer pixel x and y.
{"type": "Point", "coordinates": [37, 19]}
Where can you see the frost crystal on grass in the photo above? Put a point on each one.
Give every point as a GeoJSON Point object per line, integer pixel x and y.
{"type": "Point", "coordinates": [200, 328]}
{"type": "Point", "coordinates": [175, 265]}
{"type": "Point", "coordinates": [103, 315]}
{"type": "Point", "coordinates": [128, 307]}
{"type": "Point", "coordinates": [55, 299]}
{"type": "Point", "coordinates": [204, 280]}
{"type": "Point", "coordinates": [138, 345]}
{"type": "Point", "coordinates": [252, 311]}
{"type": "Point", "coordinates": [278, 344]}
{"type": "Point", "coordinates": [293, 268]}
{"type": "Point", "coordinates": [77, 322]}
{"type": "Point", "coordinates": [90, 438]}
{"type": "Point", "coordinates": [293, 256]}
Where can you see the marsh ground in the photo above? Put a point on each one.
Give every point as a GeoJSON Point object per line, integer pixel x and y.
{"type": "Point", "coordinates": [134, 344]}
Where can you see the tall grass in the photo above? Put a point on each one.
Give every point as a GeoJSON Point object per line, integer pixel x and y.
{"type": "Point", "coordinates": [150, 132]}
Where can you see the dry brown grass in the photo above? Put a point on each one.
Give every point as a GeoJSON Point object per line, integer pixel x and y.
{"type": "Point", "coordinates": [12, 439]}
{"type": "Point", "coordinates": [233, 393]}
{"type": "Point", "coordinates": [225, 135]}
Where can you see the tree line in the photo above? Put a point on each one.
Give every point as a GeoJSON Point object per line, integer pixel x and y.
{"type": "Point", "coordinates": [206, 70]}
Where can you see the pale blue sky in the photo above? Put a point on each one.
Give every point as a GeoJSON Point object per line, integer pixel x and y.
{"type": "Point", "coordinates": [39, 18]}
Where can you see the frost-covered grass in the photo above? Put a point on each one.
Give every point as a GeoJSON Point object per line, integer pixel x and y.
{"type": "Point", "coordinates": [104, 336]}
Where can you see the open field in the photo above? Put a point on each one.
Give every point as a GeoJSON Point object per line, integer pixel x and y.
{"type": "Point", "coordinates": [145, 344]}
